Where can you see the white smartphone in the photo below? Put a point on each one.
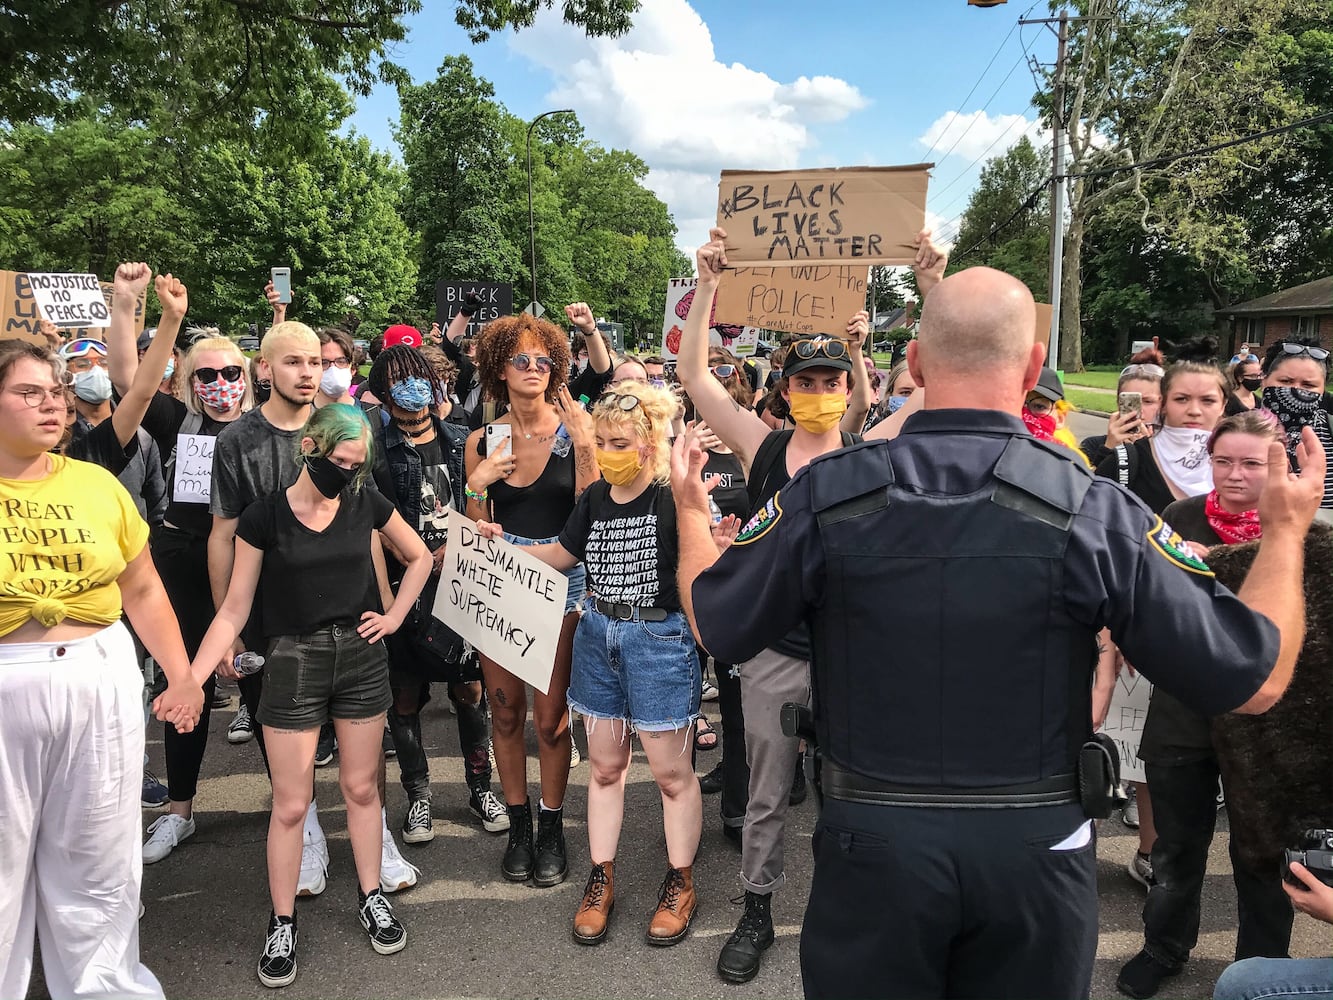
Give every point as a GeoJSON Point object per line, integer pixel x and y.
{"type": "Point", "coordinates": [496, 436]}
{"type": "Point", "coordinates": [282, 281]}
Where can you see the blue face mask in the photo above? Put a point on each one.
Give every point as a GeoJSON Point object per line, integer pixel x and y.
{"type": "Point", "coordinates": [412, 394]}
{"type": "Point", "coordinates": [896, 402]}
{"type": "Point", "coordinates": [171, 369]}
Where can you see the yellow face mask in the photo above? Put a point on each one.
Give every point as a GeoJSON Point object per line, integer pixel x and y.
{"type": "Point", "coordinates": [619, 467]}
{"type": "Point", "coordinates": [817, 412]}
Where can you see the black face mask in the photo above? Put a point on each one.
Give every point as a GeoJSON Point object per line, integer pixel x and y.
{"type": "Point", "coordinates": [328, 478]}
{"type": "Point", "coordinates": [1252, 384]}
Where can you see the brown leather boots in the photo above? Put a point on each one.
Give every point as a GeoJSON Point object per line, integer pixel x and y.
{"type": "Point", "coordinates": [670, 922]}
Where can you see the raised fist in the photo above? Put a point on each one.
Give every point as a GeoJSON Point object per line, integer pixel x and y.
{"type": "Point", "coordinates": [581, 316]}
{"type": "Point", "coordinates": [131, 279]}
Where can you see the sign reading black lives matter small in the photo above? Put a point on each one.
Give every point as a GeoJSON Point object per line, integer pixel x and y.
{"type": "Point", "coordinates": [496, 300]}
{"type": "Point", "coordinates": [70, 299]}
{"type": "Point", "coordinates": [506, 602]}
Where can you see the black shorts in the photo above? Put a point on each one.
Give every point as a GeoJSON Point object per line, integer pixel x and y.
{"type": "Point", "coordinates": [329, 674]}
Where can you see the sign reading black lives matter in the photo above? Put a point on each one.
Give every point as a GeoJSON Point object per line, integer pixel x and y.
{"type": "Point", "coordinates": [506, 602]}
{"type": "Point", "coordinates": [70, 299]}
{"type": "Point", "coordinates": [496, 300]}
{"type": "Point", "coordinates": [845, 215]}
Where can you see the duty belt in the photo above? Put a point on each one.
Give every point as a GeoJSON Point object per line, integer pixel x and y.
{"type": "Point", "coordinates": [848, 786]}
{"type": "Point", "coordinates": [629, 613]}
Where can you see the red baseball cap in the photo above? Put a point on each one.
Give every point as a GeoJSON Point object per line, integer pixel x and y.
{"type": "Point", "coordinates": [402, 334]}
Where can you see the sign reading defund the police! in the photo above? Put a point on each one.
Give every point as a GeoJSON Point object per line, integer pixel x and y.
{"type": "Point", "coordinates": [507, 603]}
{"type": "Point", "coordinates": [848, 215]}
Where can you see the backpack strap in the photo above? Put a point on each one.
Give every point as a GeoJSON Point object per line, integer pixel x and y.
{"type": "Point", "coordinates": [772, 449]}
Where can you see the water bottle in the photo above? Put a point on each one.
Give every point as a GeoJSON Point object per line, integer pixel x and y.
{"type": "Point", "coordinates": [714, 510]}
{"type": "Point", "coordinates": [248, 663]}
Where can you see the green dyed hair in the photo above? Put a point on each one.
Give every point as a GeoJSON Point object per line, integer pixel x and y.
{"type": "Point", "coordinates": [331, 425]}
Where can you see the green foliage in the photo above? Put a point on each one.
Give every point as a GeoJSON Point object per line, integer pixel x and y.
{"type": "Point", "coordinates": [597, 17]}
{"type": "Point", "coordinates": [1010, 229]}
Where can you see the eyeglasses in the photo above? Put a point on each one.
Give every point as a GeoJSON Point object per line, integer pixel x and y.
{"type": "Point", "coordinates": [1246, 465]}
{"type": "Point", "coordinates": [831, 349]}
{"type": "Point", "coordinates": [723, 371]}
{"type": "Point", "coordinates": [35, 396]}
{"type": "Point", "coordinates": [210, 375]}
{"type": "Point", "coordinates": [1318, 353]}
{"type": "Point", "coordinates": [1142, 371]}
{"type": "Point", "coordinates": [87, 361]}
{"type": "Point", "coordinates": [1040, 405]}
{"type": "Point", "coordinates": [613, 401]}
{"type": "Point", "coordinates": [522, 362]}
{"type": "Point", "coordinates": [336, 363]}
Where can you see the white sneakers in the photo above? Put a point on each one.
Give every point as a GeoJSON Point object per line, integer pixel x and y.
{"type": "Point", "coordinates": [396, 872]}
{"type": "Point", "coordinates": [314, 864]}
{"type": "Point", "coordinates": [164, 833]}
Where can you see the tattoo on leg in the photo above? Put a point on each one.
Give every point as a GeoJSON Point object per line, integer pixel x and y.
{"type": "Point", "coordinates": [500, 696]}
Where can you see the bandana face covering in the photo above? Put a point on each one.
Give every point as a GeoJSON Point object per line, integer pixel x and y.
{"type": "Point", "coordinates": [817, 412]}
{"type": "Point", "coordinates": [1231, 528]}
{"type": "Point", "coordinates": [1182, 456]}
{"type": "Point", "coordinates": [1295, 408]}
{"type": "Point", "coordinates": [619, 467]}
{"type": "Point", "coordinates": [220, 395]}
{"type": "Point", "coordinates": [328, 478]}
{"type": "Point", "coordinates": [1042, 426]}
{"type": "Point", "coordinates": [412, 394]}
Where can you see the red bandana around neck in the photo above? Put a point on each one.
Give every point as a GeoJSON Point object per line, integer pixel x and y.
{"type": "Point", "coordinates": [1042, 427]}
{"type": "Point", "coordinates": [1231, 528]}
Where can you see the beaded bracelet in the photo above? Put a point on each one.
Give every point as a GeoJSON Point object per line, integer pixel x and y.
{"type": "Point", "coordinates": [472, 494]}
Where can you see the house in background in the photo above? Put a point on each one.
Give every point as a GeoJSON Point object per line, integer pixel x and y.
{"type": "Point", "coordinates": [1305, 311]}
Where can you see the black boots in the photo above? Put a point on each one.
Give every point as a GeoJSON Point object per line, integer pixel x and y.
{"type": "Point", "coordinates": [552, 864]}
{"type": "Point", "coordinates": [741, 955]}
{"type": "Point", "coordinates": [518, 860]}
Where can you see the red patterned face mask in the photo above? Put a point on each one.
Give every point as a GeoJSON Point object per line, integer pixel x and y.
{"type": "Point", "coordinates": [221, 395]}
{"type": "Point", "coordinates": [1041, 426]}
{"type": "Point", "coordinates": [1232, 528]}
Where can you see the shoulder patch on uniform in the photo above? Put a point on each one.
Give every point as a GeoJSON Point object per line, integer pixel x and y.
{"type": "Point", "coordinates": [1168, 542]}
{"type": "Point", "coordinates": [764, 518]}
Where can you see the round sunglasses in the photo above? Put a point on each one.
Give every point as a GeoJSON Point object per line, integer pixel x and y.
{"type": "Point", "coordinates": [522, 362]}
{"type": "Point", "coordinates": [831, 349]}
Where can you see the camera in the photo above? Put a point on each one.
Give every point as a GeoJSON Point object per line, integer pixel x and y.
{"type": "Point", "coordinates": [1315, 853]}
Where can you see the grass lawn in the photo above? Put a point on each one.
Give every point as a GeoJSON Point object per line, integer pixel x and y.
{"type": "Point", "coordinates": [1097, 379]}
{"type": "Point", "coordinates": [1084, 400]}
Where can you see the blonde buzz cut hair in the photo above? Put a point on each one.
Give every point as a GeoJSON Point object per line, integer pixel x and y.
{"type": "Point", "coordinates": [287, 332]}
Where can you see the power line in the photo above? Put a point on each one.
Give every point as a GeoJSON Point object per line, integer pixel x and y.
{"type": "Point", "coordinates": [981, 113]}
{"type": "Point", "coordinates": [1042, 154]}
{"type": "Point", "coordinates": [1027, 204]}
{"type": "Point", "coordinates": [1004, 134]}
{"type": "Point", "coordinates": [953, 115]}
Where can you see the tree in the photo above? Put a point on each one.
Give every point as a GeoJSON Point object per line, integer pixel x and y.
{"type": "Point", "coordinates": [596, 17]}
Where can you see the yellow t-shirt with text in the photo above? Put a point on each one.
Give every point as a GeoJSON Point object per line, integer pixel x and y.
{"type": "Point", "coordinates": [64, 539]}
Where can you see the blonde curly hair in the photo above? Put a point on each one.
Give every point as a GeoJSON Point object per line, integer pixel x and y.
{"type": "Point", "coordinates": [650, 418]}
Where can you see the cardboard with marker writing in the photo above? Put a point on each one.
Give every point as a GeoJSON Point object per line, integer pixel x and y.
{"type": "Point", "coordinates": [845, 215]}
{"type": "Point", "coordinates": [812, 298]}
{"type": "Point", "coordinates": [1044, 329]}
{"type": "Point", "coordinates": [20, 313]}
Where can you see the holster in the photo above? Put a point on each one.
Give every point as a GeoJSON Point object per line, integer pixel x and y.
{"type": "Point", "coordinates": [1099, 789]}
{"type": "Point", "coordinates": [799, 721]}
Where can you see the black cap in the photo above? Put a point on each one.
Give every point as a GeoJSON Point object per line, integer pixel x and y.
{"type": "Point", "coordinates": [1049, 385]}
{"type": "Point", "coordinates": [794, 363]}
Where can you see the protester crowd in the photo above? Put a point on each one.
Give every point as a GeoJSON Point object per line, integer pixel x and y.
{"type": "Point", "coordinates": [303, 568]}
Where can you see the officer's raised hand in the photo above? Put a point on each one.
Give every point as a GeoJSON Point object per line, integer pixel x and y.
{"type": "Point", "coordinates": [1290, 499]}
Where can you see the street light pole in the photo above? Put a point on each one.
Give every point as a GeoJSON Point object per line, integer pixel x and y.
{"type": "Point", "coordinates": [532, 224]}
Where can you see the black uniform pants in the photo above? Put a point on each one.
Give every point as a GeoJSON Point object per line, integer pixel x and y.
{"type": "Point", "coordinates": [1184, 805]}
{"type": "Point", "coordinates": [917, 903]}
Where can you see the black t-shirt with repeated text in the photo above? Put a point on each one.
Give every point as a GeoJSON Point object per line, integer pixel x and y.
{"type": "Point", "coordinates": [629, 554]}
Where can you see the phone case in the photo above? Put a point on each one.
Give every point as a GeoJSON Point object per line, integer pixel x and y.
{"type": "Point", "coordinates": [496, 434]}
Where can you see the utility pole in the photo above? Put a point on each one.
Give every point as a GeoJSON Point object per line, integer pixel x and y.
{"type": "Point", "coordinates": [1058, 190]}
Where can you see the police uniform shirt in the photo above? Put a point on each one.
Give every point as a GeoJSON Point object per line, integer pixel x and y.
{"type": "Point", "coordinates": [1123, 568]}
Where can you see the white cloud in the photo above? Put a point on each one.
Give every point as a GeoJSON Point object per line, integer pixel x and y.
{"type": "Point", "coordinates": [660, 91]}
{"type": "Point", "coordinates": [977, 133]}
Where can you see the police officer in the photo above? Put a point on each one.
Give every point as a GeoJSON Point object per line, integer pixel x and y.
{"type": "Point", "coordinates": [953, 857]}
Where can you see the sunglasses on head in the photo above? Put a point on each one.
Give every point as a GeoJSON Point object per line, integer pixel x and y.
{"type": "Point", "coordinates": [522, 362]}
{"type": "Point", "coordinates": [78, 348]}
{"type": "Point", "coordinates": [1147, 371]}
{"type": "Point", "coordinates": [1318, 353]}
{"type": "Point", "coordinates": [612, 401]}
{"type": "Point", "coordinates": [723, 371]}
{"type": "Point", "coordinates": [831, 349]}
{"type": "Point", "coordinates": [210, 375]}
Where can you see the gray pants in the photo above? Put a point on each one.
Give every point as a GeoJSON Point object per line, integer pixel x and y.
{"type": "Point", "coordinates": [767, 682]}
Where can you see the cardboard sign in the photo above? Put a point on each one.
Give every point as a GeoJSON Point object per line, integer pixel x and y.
{"type": "Point", "coordinates": [813, 298]}
{"type": "Point", "coordinates": [69, 299]}
{"type": "Point", "coordinates": [506, 602]}
{"type": "Point", "coordinates": [140, 305]}
{"type": "Point", "coordinates": [1043, 334]}
{"type": "Point", "coordinates": [1124, 721]}
{"type": "Point", "coordinates": [740, 340]}
{"type": "Point", "coordinates": [849, 215]}
{"type": "Point", "coordinates": [496, 300]}
{"type": "Point", "coordinates": [19, 310]}
{"type": "Point", "coordinates": [193, 479]}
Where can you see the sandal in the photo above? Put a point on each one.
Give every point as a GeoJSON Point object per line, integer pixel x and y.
{"type": "Point", "coordinates": [705, 736]}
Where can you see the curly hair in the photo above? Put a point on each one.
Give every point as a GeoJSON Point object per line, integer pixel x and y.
{"type": "Point", "coordinates": [498, 342]}
{"type": "Point", "coordinates": [445, 370]}
{"type": "Point", "coordinates": [394, 365]}
{"type": "Point", "coordinates": [650, 420]}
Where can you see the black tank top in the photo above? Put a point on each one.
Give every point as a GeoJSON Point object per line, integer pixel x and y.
{"type": "Point", "coordinates": [540, 509]}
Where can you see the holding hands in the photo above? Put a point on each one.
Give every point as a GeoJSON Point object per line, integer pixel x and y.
{"type": "Point", "coordinates": [180, 704]}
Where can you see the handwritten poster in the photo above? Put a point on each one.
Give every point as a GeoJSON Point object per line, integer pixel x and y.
{"type": "Point", "coordinates": [848, 215]}
{"type": "Point", "coordinates": [741, 340]}
{"type": "Point", "coordinates": [1124, 721]}
{"type": "Point", "coordinates": [506, 602]}
{"type": "Point", "coordinates": [496, 300]}
{"type": "Point", "coordinates": [70, 299]}
{"type": "Point", "coordinates": [812, 298]}
{"type": "Point", "coordinates": [19, 311]}
{"type": "Point", "coordinates": [194, 468]}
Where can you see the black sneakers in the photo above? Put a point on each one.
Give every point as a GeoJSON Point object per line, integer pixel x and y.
{"type": "Point", "coordinates": [326, 744]}
{"type": "Point", "coordinates": [387, 935]}
{"type": "Point", "coordinates": [418, 827]}
{"type": "Point", "coordinates": [277, 965]}
{"type": "Point", "coordinates": [743, 952]}
{"type": "Point", "coordinates": [1141, 977]}
{"type": "Point", "coordinates": [551, 862]}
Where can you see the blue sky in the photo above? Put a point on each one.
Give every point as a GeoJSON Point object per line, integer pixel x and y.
{"type": "Point", "coordinates": [702, 85]}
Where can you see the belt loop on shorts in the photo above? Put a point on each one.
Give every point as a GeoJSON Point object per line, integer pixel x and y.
{"type": "Point", "coordinates": [629, 613]}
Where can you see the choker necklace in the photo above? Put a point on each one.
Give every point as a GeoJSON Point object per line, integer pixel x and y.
{"type": "Point", "coordinates": [412, 423]}
{"type": "Point", "coordinates": [415, 434]}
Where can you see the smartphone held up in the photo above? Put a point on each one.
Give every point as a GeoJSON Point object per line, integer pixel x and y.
{"type": "Point", "coordinates": [282, 284]}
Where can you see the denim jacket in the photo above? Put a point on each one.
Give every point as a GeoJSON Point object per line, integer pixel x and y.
{"type": "Point", "coordinates": [398, 466]}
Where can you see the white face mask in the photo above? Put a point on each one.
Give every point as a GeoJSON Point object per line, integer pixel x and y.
{"type": "Point", "coordinates": [335, 381]}
{"type": "Point", "coordinates": [93, 386]}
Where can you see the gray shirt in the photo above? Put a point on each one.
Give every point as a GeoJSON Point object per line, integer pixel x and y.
{"type": "Point", "coordinates": [251, 459]}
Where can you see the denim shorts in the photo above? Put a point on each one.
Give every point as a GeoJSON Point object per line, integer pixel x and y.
{"type": "Point", "coordinates": [578, 579]}
{"type": "Point", "coordinates": [645, 672]}
{"type": "Point", "coordinates": [329, 674]}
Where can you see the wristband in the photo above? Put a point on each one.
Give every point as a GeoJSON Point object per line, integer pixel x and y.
{"type": "Point", "coordinates": [472, 494]}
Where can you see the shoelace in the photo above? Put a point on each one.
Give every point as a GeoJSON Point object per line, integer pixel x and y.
{"type": "Point", "coordinates": [671, 889]}
{"type": "Point", "coordinates": [592, 895]}
{"type": "Point", "coordinates": [490, 804]}
{"type": "Point", "coordinates": [380, 911]}
{"type": "Point", "coordinates": [280, 941]}
{"type": "Point", "coordinates": [751, 922]}
{"type": "Point", "coordinates": [419, 813]}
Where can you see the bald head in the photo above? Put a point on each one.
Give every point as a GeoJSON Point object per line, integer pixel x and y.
{"type": "Point", "coordinates": [976, 322]}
